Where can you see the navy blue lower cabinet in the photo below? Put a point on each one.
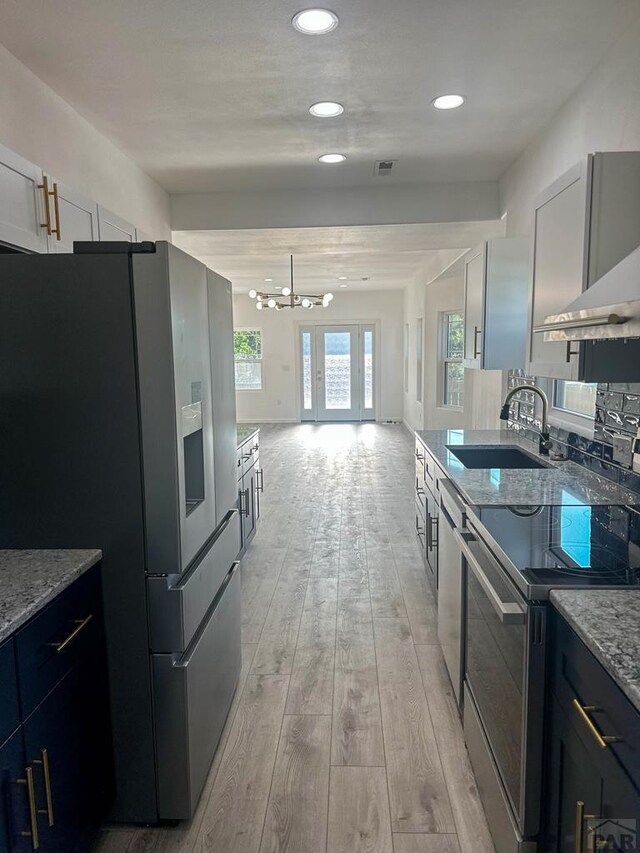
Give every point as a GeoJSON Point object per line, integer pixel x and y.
{"type": "Point", "coordinates": [15, 795]}
{"type": "Point", "coordinates": [592, 777]}
{"type": "Point", "coordinates": [56, 768]}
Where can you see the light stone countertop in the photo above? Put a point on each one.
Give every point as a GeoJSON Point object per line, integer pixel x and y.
{"type": "Point", "coordinates": [244, 433]}
{"type": "Point", "coordinates": [608, 623]}
{"type": "Point", "coordinates": [563, 483]}
{"type": "Point", "coordinates": [31, 579]}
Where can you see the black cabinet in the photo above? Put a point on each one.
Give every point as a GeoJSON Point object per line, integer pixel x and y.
{"type": "Point", "coordinates": [592, 778]}
{"type": "Point", "coordinates": [15, 796]}
{"type": "Point", "coordinates": [56, 769]}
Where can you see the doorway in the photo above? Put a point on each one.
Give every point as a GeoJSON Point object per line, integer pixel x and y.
{"type": "Point", "coordinates": [337, 367]}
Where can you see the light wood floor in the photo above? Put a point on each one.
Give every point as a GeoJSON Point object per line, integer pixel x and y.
{"type": "Point", "coordinates": [343, 736]}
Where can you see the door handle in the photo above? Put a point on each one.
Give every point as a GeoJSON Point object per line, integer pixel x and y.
{"type": "Point", "coordinates": [244, 511]}
{"type": "Point", "coordinates": [56, 210]}
{"type": "Point", "coordinates": [44, 761]}
{"type": "Point", "coordinates": [44, 186]}
{"type": "Point", "coordinates": [260, 476]}
{"type": "Point", "coordinates": [434, 528]}
{"type": "Point", "coordinates": [33, 811]}
{"type": "Point", "coordinates": [603, 741]}
{"type": "Point", "coordinates": [476, 349]}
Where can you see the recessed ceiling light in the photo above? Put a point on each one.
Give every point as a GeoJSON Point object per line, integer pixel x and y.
{"type": "Point", "coordinates": [342, 278]}
{"type": "Point", "coordinates": [326, 109]}
{"type": "Point", "coordinates": [343, 285]}
{"type": "Point", "coordinates": [448, 102]}
{"type": "Point", "coordinates": [315, 22]}
{"type": "Point", "coordinates": [332, 158]}
{"type": "Point", "coordinates": [268, 279]}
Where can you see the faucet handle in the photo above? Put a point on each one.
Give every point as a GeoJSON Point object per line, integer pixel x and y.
{"type": "Point", "coordinates": [504, 412]}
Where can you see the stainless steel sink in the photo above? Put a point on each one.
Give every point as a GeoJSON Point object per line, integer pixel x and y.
{"type": "Point", "coordinates": [495, 456]}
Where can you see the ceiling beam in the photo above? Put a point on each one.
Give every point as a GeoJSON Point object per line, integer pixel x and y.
{"type": "Point", "coordinates": [345, 206]}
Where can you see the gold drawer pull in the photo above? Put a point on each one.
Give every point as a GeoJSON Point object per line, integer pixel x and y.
{"type": "Point", "coordinates": [603, 741]}
{"type": "Point", "coordinates": [47, 785]}
{"type": "Point", "coordinates": [46, 192]}
{"type": "Point", "coordinates": [81, 624]}
{"type": "Point", "coordinates": [56, 209]}
{"type": "Point", "coordinates": [33, 811]}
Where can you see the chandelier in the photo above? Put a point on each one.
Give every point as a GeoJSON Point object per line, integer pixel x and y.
{"type": "Point", "coordinates": [291, 298]}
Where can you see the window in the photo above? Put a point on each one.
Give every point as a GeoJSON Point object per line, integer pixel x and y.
{"type": "Point", "coordinates": [578, 398]}
{"type": "Point", "coordinates": [419, 360]}
{"type": "Point", "coordinates": [406, 357]}
{"type": "Point", "coordinates": [452, 343]}
{"type": "Point", "coordinates": [247, 353]}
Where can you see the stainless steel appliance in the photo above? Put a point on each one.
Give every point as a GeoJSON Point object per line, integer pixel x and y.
{"type": "Point", "coordinates": [117, 384]}
{"type": "Point", "coordinates": [514, 556]}
{"type": "Point", "coordinates": [451, 584]}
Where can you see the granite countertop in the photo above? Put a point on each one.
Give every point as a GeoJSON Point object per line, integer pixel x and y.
{"type": "Point", "coordinates": [245, 433]}
{"type": "Point", "coordinates": [563, 483]}
{"type": "Point", "coordinates": [608, 623]}
{"type": "Point", "coordinates": [31, 579]}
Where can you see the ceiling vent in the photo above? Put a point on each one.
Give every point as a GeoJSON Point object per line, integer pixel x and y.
{"type": "Point", "coordinates": [384, 168]}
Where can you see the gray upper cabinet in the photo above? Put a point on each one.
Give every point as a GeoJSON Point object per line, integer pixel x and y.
{"type": "Point", "coordinates": [584, 223]}
{"type": "Point", "coordinates": [22, 214]}
{"type": "Point", "coordinates": [73, 217]}
{"type": "Point", "coordinates": [495, 305]}
{"type": "Point", "coordinates": [112, 227]}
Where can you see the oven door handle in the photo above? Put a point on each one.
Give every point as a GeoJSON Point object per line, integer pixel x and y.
{"type": "Point", "coordinates": [510, 612]}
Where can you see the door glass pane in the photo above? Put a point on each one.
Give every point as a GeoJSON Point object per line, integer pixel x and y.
{"type": "Point", "coordinates": [306, 370]}
{"type": "Point", "coordinates": [368, 370]}
{"type": "Point", "coordinates": [337, 370]}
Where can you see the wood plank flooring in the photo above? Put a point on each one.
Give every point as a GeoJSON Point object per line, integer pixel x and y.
{"type": "Point", "coordinates": [343, 736]}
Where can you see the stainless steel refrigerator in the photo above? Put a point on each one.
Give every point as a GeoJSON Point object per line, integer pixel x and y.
{"type": "Point", "coordinates": [118, 431]}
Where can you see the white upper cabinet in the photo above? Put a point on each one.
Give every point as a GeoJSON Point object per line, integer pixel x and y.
{"type": "Point", "coordinates": [73, 217]}
{"type": "Point", "coordinates": [112, 227]}
{"type": "Point", "coordinates": [496, 290]}
{"type": "Point", "coordinates": [584, 223]}
{"type": "Point", "coordinates": [22, 211]}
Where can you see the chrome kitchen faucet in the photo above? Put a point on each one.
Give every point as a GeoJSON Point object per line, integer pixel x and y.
{"type": "Point", "coordinates": [544, 442]}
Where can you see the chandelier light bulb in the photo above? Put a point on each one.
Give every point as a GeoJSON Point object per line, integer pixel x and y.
{"type": "Point", "coordinates": [328, 296]}
{"type": "Point", "coordinates": [278, 307]}
{"type": "Point", "coordinates": [271, 303]}
{"type": "Point", "coordinates": [253, 294]}
{"type": "Point", "coordinates": [259, 305]}
{"type": "Point", "coordinates": [305, 303]}
{"type": "Point", "coordinates": [286, 291]}
{"type": "Point", "coordinates": [310, 304]}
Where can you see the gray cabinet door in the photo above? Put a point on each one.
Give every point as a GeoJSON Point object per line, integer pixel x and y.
{"type": "Point", "coordinates": [112, 227]}
{"type": "Point", "coordinates": [22, 212]}
{"type": "Point", "coordinates": [560, 246]}
{"type": "Point", "coordinates": [75, 217]}
{"type": "Point", "coordinates": [474, 283]}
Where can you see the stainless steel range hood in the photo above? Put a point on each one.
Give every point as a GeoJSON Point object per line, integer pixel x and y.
{"type": "Point", "coordinates": [609, 309]}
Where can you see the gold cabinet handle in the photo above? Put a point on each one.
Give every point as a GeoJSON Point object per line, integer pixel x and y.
{"type": "Point", "coordinates": [81, 624]}
{"type": "Point", "coordinates": [476, 349]}
{"type": "Point", "coordinates": [579, 825]}
{"type": "Point", "coordinates": [603, 741]}
{"type": "Point", "coordinates": [33, 811]}
{"type": "Point", "coordinates": [44, 186]}
{"type": "Point", "coordinates": [56, 209]}
{"type": "Point", "coordinates": [44, 761]}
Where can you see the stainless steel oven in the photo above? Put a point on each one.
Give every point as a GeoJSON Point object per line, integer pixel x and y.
{"type": "Point", "coordinates": [504, 696]}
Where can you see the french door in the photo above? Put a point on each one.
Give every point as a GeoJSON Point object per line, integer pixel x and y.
{"type": "Point", "coordinates": [337, 372]}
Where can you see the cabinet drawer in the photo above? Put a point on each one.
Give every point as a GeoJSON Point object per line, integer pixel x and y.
{"type": "Point", "coordinates": [60, 636]}
{"type": "Point", "coordinates": [9, 711]}
{"type": "Point", "coordinates": [577, 675]}
{"type": "Point", "coordinates": [177, 604]}
{"type": "Point", "coordinates": [192, 698]}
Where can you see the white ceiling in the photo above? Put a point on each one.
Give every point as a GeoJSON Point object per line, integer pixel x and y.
{"type": "Point", "coordinates": [385, 257]}
{"type": "Point", "coordinates": [213, 95]}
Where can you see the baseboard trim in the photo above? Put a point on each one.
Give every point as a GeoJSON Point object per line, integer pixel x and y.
{"type": "Point", "coordinates": [408, 428]}
{"type": "Point", "coordinates": [268, 421]}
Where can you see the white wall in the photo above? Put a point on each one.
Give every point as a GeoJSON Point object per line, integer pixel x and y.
{"type": "Point", "coordinates": [279, 399]}
{"type": "Point", "coordinates": [603, 114]}
{"type": "Point", "coordinates": [37, 124]}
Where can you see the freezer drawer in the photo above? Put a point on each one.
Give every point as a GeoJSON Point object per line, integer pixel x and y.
{"type": "Point", "coordinates": [178, 603]}
{"type": "Point", "coordinates": [192, 696]}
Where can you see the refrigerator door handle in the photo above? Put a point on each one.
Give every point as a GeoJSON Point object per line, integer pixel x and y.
{"type": "Point", "coordinates": [185, 659]}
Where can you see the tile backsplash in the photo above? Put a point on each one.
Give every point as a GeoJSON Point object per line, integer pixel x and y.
{"type": "Point", "coordinates": [617, 414]}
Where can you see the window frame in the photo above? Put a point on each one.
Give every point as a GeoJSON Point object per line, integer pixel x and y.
{"type": "Point", "coordinates": [564, 418]}
{"type": "Point", "coordinates": [445, 359]}
{"type": "Point", "coordinates": [254, 360]}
